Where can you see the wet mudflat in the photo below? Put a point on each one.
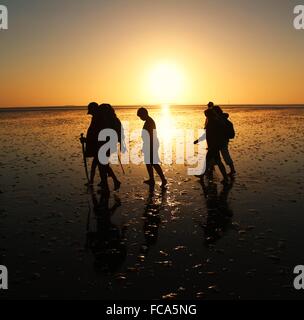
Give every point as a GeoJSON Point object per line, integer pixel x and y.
{"type": "Point", "coordinates": [192, 241]}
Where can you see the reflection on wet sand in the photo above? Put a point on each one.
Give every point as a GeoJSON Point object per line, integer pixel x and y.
{"type": "Point", "coordinates": [151, 217]}
{"type": "Point", "coordinates": [107, 242]}
{"type": "Point", "coordinates": [219, 213]}
{"type": "Point", "coordinates": [44, 209]}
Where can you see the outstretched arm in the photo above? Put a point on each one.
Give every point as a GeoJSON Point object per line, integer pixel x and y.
{"type": "Point", "coordinates": [201, 138]}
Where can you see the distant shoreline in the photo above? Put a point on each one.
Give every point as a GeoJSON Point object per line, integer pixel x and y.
{"type": "Point", "coordinates": [75, 108]}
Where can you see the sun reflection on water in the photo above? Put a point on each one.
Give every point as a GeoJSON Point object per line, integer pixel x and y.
{"type": "Point", "coordinates": [167, 131]}
{"type": "Point", "coordinates": [166, 125]}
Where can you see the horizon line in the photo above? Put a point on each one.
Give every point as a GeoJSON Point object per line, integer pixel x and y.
{"type": "Point", "coordinates": [159, 105]}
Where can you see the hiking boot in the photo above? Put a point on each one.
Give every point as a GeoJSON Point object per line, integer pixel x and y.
{"type": "Point", "coordinates": [150, 182]}
{"type": "Point", "coordinates": [164, 183]}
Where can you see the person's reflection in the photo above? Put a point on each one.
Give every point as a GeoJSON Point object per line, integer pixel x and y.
{"type": "Point", "coordinates": [107, 242]}
{"type": "Point", "coordinates": [151, 217]}
{"type": "Point", "coordinates": [219, 214]}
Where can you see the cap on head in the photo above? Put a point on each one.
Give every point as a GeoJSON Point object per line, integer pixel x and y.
{"type": "Point", "coordinates": [142, 113]}
{"type": "Point", "coordinates": [210, 104]}
{"type": "Point", "coordinates": [92, 107]}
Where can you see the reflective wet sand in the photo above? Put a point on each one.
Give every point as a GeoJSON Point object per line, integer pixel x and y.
{"type": "Point", "coordinates": [192, 241]}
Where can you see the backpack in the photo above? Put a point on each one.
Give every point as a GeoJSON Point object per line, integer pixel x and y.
{"type": "Point", "coordinates": [229, 129]}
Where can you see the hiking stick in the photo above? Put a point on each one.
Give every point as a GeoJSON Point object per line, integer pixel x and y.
{"type": "Point", "coordinates": [84, 158]}
{"type": "Point", "coordinates": [122, 168]}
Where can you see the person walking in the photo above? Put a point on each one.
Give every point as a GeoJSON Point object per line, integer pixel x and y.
{"type": "Point", "coordinates": [150, 148]}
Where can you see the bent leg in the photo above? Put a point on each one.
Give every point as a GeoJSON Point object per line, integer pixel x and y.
{"type": "Point", "coordinates": [217, 158]}
{"type": "Point", "coordinates": [227, 158]}
{"type": "Point", "coordinates": [111, 174]}
{"type": "Point", "coordinates": [210, 162]}
{"type": "Point", "coordinates": [159, 171]}
{"type": "Point", "coordinates": [103, 170]}
{"type": "Point", "coordinates": [223, 170]}
{"type": "Point", "coordinates": [93, 170]}
{"type": "Point", "coordinates": [150, 171]}
{"type": "Point", "coordinates": [226, 154]}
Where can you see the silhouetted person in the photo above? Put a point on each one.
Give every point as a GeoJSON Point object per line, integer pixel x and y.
{"type": "Point", "coordinates": [210, 105]}
{"type": "Point", "coordinates": [103, 117]}
{"type": "Point", "coordinates": [150, 148]}
{"type": "Point", "coordinates": [215, 135]}
{"type": "Point", "coordinates": [219, 213]}
{"type": "Point", "coordinates": [91, 139]}
{"type": "Point", "coordinates": [107, 242]}
{"type": "Point", "coordinates": [216, 139]}
{"type": "Point", "coordinates": [209, 171]}
{"type": "Point", "coordinates": [109, 120]}
{"type": "Point", "coordinates": [229, 134]}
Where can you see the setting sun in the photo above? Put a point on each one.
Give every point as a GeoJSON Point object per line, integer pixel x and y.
{"type": "Point", "coordinates": [166, 82]}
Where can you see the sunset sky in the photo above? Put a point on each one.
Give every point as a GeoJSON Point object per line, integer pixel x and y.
{"type": "Point", "coordinates": [69, 52]}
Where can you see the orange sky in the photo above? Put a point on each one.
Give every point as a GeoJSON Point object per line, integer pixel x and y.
{"type": "Point", "coordinates": [71, 52]}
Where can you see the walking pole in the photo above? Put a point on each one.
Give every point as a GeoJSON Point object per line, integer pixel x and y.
{"type": "Point", "coordinates": [122, 168]}
{"type": "Point", "coordinates": [84, 158]}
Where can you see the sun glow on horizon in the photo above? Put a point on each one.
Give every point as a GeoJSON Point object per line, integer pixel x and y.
{"type": "Point", "coordinates": [166, 83]}
{"type": "Point", "coordinates": [165, 108]}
